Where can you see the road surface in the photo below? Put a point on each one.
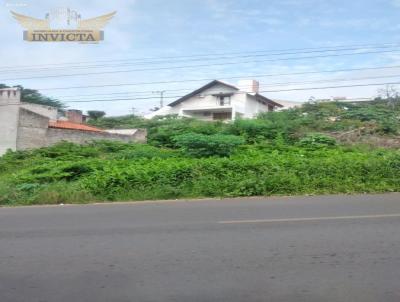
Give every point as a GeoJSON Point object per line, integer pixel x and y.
{"type": "Point", "coordinates": [328, 248]}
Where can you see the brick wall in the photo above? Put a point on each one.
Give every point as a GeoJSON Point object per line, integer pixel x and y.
{"type": "Point", "coordinates": [48, 111]}
{"type": "Point", "coordinates": [32, 130]}
{"type": "Point", "coordinates": [55, 135]}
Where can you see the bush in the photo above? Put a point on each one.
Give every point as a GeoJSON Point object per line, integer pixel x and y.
{"type": "Point", "coordinates": [137, 172]}
{"type": "Point", "coordinates": [161, 132]}
{"type": "Point", "coordinates": [368, 113]}
{"type": "Point", "coordinates": [251, 172]}
{"type": "Point", "coordinates": [252, 130]}
{"type": "Point", "coordinates": [388, 127]}
{"type": "Point", "coordinates": [120, 122]}
{"type": "Point", "coordinates": [201, 145]}
{"type": "Point", "coordinates": [145, 151]}
{"type": "Point", "coordinates": [56, 171]}
{"type": "Point", "coordinates": [317, 141]}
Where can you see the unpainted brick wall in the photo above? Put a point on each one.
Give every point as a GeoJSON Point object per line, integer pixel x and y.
{"type": "Point", "coordinates": [33, 132]}
{"type": "Point", "coordinates": [55, 135]}
{"type": "Point", "coordinates": [32, 129]}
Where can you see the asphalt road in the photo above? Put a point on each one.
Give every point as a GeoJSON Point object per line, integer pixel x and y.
{"type": "Point", "coordinates": [331, 248]}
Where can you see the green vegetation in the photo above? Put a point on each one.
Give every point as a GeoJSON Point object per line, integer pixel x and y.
{"type": "Point", "coordinates": [289, 152]}
{"type": "Point", "coordinates": [120, 122]}
{"type": "Point", "coordinates": [96, 114]}
{"type": "Point", "coordinates": [317, 141]}
{"type": "Point", "coordinates": [202, 145]}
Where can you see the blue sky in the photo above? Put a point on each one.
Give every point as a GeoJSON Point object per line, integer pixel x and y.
{"type": "Point", "coordinates": [153, 28]}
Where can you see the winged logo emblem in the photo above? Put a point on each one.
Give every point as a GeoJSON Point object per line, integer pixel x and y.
{"type": "Point", "coordinates": [31, 23]}
{"type": "Point", "coordinates": [41, 30]}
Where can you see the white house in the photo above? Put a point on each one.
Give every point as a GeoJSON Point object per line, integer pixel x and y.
{"type": "Point", "coordinates": [220, 101]}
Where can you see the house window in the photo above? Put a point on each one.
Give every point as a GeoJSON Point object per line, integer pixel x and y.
{"type": "Point", "coordinates": [224, 100]}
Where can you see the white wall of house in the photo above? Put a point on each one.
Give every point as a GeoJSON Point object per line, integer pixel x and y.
{"type": "Point", "coordinates": [202, 115]}
{"type": "Point", "coordinates": [206, 105]}
{"type": "Point", "coordinates": [203, 100]}
{"type": "Point", "coordinates": [239, 105]}
{"type": "Point", "coordinates": [243, 104]}
{"type": "Point", "coordinates": [254, 107]}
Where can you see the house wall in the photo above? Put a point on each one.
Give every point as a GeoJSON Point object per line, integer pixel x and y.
{"type": "Point", "coordinates": [26, 126]}
{"type": "Point", "coordinates": [50, 112]}
{"type": "Point", "coordinates": [242, 104]}
{"type": "Point", "coordinates": [55, 135]}
{"type": "Point", "coordinates": [202, 117]}
{"type": "Point", "coordinates": [253, 107]}
{"type": "Point", "coordinates": [32, 129]}
{"type": "Point", "coordinates": [33, 132]}
{"type": "Point", "coordinates": [75, 116]}
{"type": "Point", "coordinates": [239, 105]}
{"type": "Point", "coordinates": [9, 115]}
{"type": "Point", "coordinates": [204, 102]}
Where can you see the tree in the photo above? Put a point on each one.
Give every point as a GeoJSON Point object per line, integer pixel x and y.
{"type": "Point", "coordinates": [95, 114]}
{"type": "Point", "coordinates": [391, 94]}
{"type": "Point", "coordinates": [35, 97]}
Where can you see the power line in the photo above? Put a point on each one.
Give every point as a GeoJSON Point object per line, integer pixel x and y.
{"type": "Point", "coordinates": [331, 80]}
{"type": "Point", "coordinates": [189, 60]}
{"type": "Point", "coordinates": [264, 91]}
{"type": "Point", "coordinates": [200, 65]}
{"type": "Point", "coordinates": [133, 93]}
{"type": "Point", "coordinates": [210, 54]}
{"type": "Point", "coordinates": [343, 100]}
{"type": "Point", "coordinates": [330, 87]}
{"type": "Point", "coordinates": [227, 78]}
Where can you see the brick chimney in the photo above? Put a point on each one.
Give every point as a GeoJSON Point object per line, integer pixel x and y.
{"type": "Point", "coordinates": [75, 116]}
{"type": "Point", "coordinates": [250, 86]}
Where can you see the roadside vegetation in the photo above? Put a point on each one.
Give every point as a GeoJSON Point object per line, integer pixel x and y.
{"type": "Point", "coordinates": [319, 148]}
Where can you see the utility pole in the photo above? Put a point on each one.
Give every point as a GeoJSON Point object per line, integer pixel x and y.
{"type": "Point", "coordinates": [161, 92]}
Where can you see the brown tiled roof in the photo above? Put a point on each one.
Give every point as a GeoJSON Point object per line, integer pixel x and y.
{"type": "Point", "coordinates": [72, 126]}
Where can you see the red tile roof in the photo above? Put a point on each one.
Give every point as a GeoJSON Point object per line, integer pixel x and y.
{"type": "Point", "coordinates": [72, 126]}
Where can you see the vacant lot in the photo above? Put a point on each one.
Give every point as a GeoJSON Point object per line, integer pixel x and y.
{"type": "Point", "coordinates": [281, 153]}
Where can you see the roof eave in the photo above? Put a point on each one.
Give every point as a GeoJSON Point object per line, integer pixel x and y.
{"type": "Point", "coordinates": [257, 95]}
{"type": "Point", "coordinates": [197, 91]}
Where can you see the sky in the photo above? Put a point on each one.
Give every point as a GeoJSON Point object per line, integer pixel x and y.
{"type": "Point", "coordinates": [155, 41]}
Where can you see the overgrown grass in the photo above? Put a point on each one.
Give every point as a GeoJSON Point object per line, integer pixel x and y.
{"type": "Point", "coordinates": [279, 153]}
{"type": "Point", "coordinates": [52, 176]}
